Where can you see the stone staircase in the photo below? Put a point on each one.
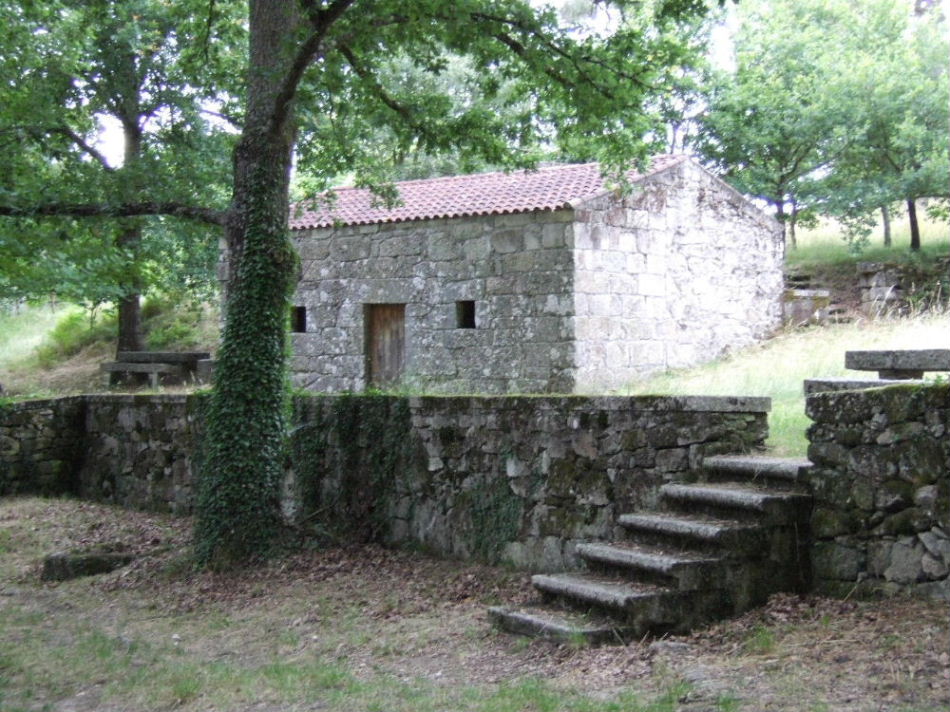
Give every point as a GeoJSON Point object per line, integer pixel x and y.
{"type": "Point", "coordinates": [714, 548]}
{"type": "Point", "coordinates": [807, 301]}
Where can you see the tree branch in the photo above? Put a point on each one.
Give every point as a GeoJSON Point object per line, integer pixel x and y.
{"type": "Point", "coordinates": [83, 145]}
{"type": "Point", "coordinates": [553, 47]}
{"type": "Point", "coordinates": [378, 88]}
{"type": "Point", "coordinates": [92, 210]}
{"type": "Point", "coordinates": [224, 117]}
{"type": "Point", "coordinates": [322, 20]}
{"type": "Point", "coordinates": [38, 134]}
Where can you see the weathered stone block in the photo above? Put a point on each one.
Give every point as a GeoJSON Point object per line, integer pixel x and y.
{"type": "Point", "coordinates": [831, 560]}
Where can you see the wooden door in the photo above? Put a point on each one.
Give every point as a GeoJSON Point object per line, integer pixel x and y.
{"type": "Point", "coordinates": [385, 344]}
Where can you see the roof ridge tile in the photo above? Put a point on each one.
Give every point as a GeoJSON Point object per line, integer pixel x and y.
{"type": "Point", "coordinates": [546, 188]}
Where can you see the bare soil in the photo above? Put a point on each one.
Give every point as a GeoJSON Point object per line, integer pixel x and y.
{"type": "Point", "coordinates": [420, 620]}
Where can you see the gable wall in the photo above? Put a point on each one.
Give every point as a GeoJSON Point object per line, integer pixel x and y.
{"type": "Point", "coordinates": [675, 274]}
{"type": "Point", "coordinates": [515, 267]}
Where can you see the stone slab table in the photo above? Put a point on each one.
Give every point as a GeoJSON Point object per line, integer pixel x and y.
{"type": "Point", "coordinates": [899, 364]}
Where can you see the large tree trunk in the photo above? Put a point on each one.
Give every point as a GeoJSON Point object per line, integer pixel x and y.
{"type": "Point", "coordinates": [130, 336]}
{"type": "Point", "coordinates": [238, 512]}
{"type": "Point", "coordinates": [783, 220]}
{"type": "Point", "coordinates": [914, 225]}
{"type": "Point", "coordinates": [792, 225]}
{"type": "Point", "coordinates": [886, 220]}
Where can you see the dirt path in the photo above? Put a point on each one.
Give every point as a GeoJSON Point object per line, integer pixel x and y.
{"type": "Point", "coordinates": [373, 629]}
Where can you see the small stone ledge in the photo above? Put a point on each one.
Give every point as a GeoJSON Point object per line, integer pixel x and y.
{"type": "Point", "coordinates": [827, 385]}
{"type": "Point", "coordinates": [699, 404]}
{"type": "Point", "coordinates": [899, 360]}
{"type": "Point", "coordinates": [64, 565]}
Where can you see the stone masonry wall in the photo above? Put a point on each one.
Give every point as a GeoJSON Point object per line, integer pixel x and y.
{"type": "Point", "coordinates": [571, 301]}
{"type": "Point", "coordinates": [881, 483]}
{"type": "Point", "coordinates": [516, 268]}
{"type": "Point", "coordinates": [140, 451]}
{"type": "Point", "coordinates": [40, 443]}
{"type": "Point", "coordinates": [516, 479]}
{"type": "Point", "coordinates": [679, 272]}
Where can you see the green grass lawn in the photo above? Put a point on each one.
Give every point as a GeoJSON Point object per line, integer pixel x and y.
{"type": "Point", "coordinates": [23, 330]}
{"type": "Point", "coordinates": [777, 368]}
{"type": "Point", "coordinates": [824, 245]}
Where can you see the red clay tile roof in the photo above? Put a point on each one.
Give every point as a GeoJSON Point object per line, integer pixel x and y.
{"type": "Point", "coordinates": [548, 188]}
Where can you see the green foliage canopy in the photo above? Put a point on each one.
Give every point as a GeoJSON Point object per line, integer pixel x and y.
{"type": "Point", "coordinates": [64, 69]}
{"type": "Point", "coordinates": [833, 106]}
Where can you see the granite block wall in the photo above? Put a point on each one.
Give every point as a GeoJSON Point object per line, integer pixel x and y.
{"type": "Point", "coordinates": [513, 479]}
{"type": "Point", "coordinates": [881, 482]}
{"type": "Point", "coordinates": [677, 273]}
{"type": "Point", "coordinates": [515, 268]}
{"type": "Point", "coordinates": [519, 479]}
{"type": "Point", "coordinates": [140, 451]}
{"type": "Point", "coordinates": [40, 444]}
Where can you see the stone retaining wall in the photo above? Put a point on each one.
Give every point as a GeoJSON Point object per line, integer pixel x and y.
{"type": "Point", "coordinates": [881, 483]}
{"type": "Point", "coordinates": [139, 451]}
{"type": "Point", "coordinates": [40, 443]}
{"type": "Point", "coordinates": [513, 479]}
{"type": "Point", "coordinates": [498, 478]}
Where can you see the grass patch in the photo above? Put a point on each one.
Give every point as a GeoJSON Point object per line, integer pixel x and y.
{"type": "Point", "coordinates": [825, 245]}
{"type": "Point", "coordinates": [23, 329]}
{"type": "Point", "coordinates": [778, 367]}
{"type": "Point", "coordinates": [75, 331]}
{"type": "Point", "coordinates": [46, 351]}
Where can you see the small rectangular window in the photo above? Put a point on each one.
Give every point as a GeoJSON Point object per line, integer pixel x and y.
{"type": "Point", "coordinates": [298, 320]}
{"type": "Point", "coordinates": [465, 314]}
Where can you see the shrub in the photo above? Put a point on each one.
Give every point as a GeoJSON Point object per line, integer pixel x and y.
{"type": "Point", "coordinates": [73, 333]}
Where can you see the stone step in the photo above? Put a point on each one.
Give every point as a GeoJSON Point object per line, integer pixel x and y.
{"type": "Point", "coordinates": [555, 623]}
{"type": "Point", "coordinates": [824, 385]}
{"type": "Point", "coordinates": [684, 571]}
{"type": "Point", "coordinates": [591, 590]}
{"type": "Point", "coordinates": [727, 535]}
{"type": "Point", "coordinates": [737, 499]}
{"type": "Point", "coordinates": [783, 472]}
{"type": "Point", "coordinates": [638, 608]}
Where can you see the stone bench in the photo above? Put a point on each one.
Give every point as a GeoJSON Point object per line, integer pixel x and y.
{"type": "Point", "coordinates": [899, 364]}
{"type": "Point", "coordinates": [157, 366]}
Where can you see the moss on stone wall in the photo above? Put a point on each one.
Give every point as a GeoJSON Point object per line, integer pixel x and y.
{"type": "Point", "coordinates": [360, 441]}
{"type": "Point", "coordinates": [496, 513]}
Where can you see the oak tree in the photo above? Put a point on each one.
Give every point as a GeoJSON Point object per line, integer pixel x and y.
{"type": "Point", "coordinates": [317, 89]}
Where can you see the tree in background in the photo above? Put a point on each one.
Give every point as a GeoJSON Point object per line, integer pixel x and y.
{"type": "Point", "coordinates": [70, 229]}
{"type": "Point", "coordinates": [898, 90]}
{"type": "Point", "coordinates": [770, 126]}
{"type": "Point", "coordinates": [834, 108]}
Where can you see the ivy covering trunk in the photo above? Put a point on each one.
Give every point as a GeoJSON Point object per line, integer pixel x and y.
{"type": "Point", "coordinates": [238, 492]}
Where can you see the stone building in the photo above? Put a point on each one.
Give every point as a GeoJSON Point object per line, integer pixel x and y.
{"type": "Point", "coordinates": [542, 281]}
